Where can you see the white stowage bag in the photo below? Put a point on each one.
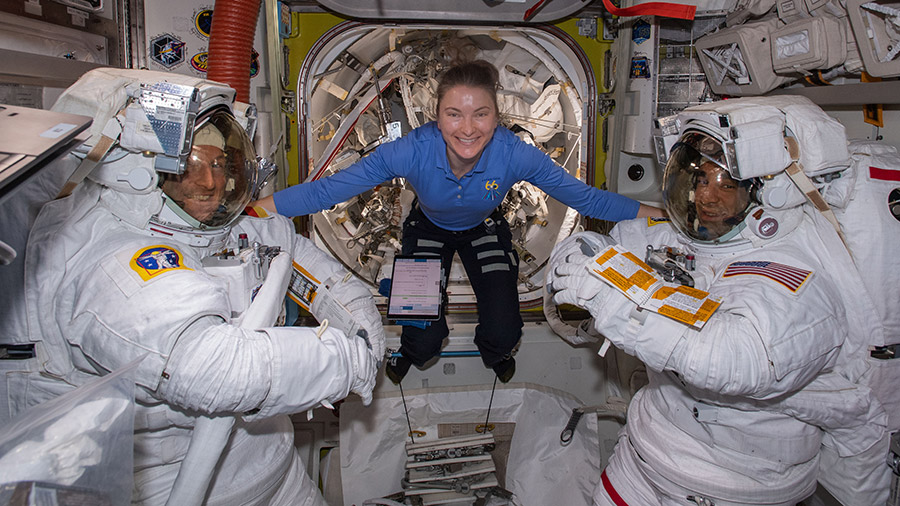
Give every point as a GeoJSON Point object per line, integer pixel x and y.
{"type": "Point", "coordinates": [64, 449]}
{"type": "Point", "coordinates": [81, 440]}
{"type": "Point", "coordinates": [539, 470]}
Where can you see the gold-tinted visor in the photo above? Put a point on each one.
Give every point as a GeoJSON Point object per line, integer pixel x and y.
{"type": "Point", "coordinates": [702, 198]}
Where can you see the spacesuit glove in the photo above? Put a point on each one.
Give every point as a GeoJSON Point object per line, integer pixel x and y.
{"type": "Point", "coordinates": [366, 313]}
{"type": "Point", "coordinates": [362, 365]}
{"type": "Point", "coordinates": [581, 243]}
{"type": "Point", "coordinates": [573, 284]}
{"type": "Point", "coordinates": [584, 243]}
{"type": "Point", "coordinates": [611, 310]}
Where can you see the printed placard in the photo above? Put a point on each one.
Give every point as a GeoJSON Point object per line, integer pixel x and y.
{"type": "Point", "coordinates": [624, 271]}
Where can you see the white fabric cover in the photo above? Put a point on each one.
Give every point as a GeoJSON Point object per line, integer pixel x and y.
{"type": "Point", "coordinates": [760, 147]}
{"type": "Point", "coordinates": [20, 208]}
{"type": "Point", "coordinates": [823, 141]}
{"type": "Point", "coordinates": [101, 92]}
{"type": "Point", "coordinates": [770, 370]}
{"type": "Point", "coordinates": [89, 312]}
{"type": "Point", "coordinates": [540, 471]}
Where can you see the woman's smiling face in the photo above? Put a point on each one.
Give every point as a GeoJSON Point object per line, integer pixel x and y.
{"type": "Point", "coordinates": [467, 118]}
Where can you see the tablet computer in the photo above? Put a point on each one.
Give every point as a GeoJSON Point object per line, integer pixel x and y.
{"type": "Point", "coordinates": [415, 288]}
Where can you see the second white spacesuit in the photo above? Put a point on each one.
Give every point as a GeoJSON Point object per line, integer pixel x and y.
{"type": "Point", "coordinates": [736, 411]}
{"type": "Point", "coordinates": [128, 269]}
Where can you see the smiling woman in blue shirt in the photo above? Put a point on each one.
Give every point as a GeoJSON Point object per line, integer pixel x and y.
{"type": "Point", "coordinates": [461, 167]}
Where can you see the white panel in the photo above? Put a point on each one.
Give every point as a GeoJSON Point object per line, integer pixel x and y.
{"type": "Point", "coordinates": [177, 39]}
{"type": "Point", "coordinates": [37, 37]}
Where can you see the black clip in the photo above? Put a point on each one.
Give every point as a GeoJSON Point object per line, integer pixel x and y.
{"type": "Point", "coordinates": [884, 352]}
{"type": "Point", "coordinates": [490, 225]}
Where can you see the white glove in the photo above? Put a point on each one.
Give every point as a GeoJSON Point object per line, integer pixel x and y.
{"type": "Point", "coordinates": [357, 298]}
{"type": "Point", "coordinates": [581, 243]}
{"type": "Point", "coordinates": [361, 361]}
{"type": "Point", "coordinates": [573, 284]}
{"type": "Point", "coordinates": [586, 243]}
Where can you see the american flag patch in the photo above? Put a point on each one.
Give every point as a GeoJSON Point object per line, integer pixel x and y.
{"type": "Point", "coordinates": [791, 277]}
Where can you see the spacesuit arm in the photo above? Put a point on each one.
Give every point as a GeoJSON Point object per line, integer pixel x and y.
{"type": "Point", "coordinates": [346, 288]}
{"type": "Point", "coordinates": [309, 260]}
{"type": "Point", "coordinates": [220, 368]}
{"type": "Point", "coordinates": [732, 356]}
{"type": "Point", "coordinates": [760, 343]}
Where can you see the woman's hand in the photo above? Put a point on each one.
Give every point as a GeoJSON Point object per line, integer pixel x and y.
{"type": "Point", "coordinates": [268, 203]}
{"type": "Point", "coordinates": [645, 211]}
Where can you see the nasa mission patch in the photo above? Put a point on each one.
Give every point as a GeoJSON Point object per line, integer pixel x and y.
{"type": "Point", "coordinates": [152, 261]}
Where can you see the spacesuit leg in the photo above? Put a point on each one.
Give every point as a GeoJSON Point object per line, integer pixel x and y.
{"type": "Point", "coordinates": [849, 484]}
{"type": "Point", "coordinates": [421, 237]}
{"type": "Point", "coordinates": [493, 269]}
{"type": "Point", "coordinates": [298, 489]}
{"type": "Point", "coordinates": [621, 482]}
{"type": "Point", "coordinates": [627, 481]}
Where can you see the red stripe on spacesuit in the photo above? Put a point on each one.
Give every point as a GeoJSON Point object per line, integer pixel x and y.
{"type": "Point", "coordinates": [616, 498]}
{"type": "Point", "coordinates": [884, 174]}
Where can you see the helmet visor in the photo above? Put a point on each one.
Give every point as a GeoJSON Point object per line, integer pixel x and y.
{"type": "Point", "coordinates": [219, 174]}
{"type": "Point", "coordinates": [702, 198]}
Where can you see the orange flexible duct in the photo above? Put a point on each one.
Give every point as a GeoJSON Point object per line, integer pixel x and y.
{"type": "Point", "coordinates": [231, 44]}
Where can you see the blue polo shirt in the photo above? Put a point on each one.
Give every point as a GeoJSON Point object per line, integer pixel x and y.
{"type": "Point", "coordinates": [455, 203]}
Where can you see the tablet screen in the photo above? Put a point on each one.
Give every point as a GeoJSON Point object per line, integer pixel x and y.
{"type": "Point", "coordinates": [415, 289]}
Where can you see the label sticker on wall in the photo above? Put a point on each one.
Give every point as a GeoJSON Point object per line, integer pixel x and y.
{"type": "Point", "coordinates": [198, 62]}
{"type": "Point", "coordinates": [640, 31]}
{"type": "Point", "coordinates": [640, 67]}
{"type": "Point", "coordinates": [167, 50]}
{"type": "Point", "coordinates": [254, 64]}
{"type": "Point", "coordinates": [202, 22]}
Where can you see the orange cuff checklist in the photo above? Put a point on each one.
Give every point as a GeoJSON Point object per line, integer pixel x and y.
{"type": "Point", "coordinates": [624, 271]}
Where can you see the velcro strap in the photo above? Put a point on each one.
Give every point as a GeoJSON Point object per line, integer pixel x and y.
{"type": "Point", "coordinates": [104, 144]}
{"type": "Point", "coordinates": [812, 194]}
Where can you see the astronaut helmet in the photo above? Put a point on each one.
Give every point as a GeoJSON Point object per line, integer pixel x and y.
{"type": "Point", "coordinates": [726, 177]}
{"type": "Point", "coordinates": [704, 201]}
{"type": "Point", "coordinates": [219, 174]}
{"type": "Point", "coordinates": [179, 146]}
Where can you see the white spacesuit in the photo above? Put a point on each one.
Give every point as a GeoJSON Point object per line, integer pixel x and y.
{"type": "Point", "coordinates": [870, 218]}
{"type": "Point", "coordinates": [150, 257]}
{"type": "Point", "coordinates": [737, 408]}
